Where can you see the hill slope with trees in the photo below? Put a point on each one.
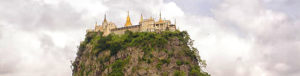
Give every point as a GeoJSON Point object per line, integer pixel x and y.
{"type": "Point", "coordinates": [138, 54]}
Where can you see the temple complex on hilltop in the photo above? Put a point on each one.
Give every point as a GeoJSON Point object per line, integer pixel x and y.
{"type": "Point", "coordinates": [145, 25]}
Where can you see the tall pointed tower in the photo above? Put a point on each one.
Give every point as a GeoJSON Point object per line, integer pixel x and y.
{"type": "Point", "coordinates": [128, 22]}
{"type": "Point", "coordinates": [160, 20]}
{"type": "Point", "coordinates": [141, 18]}
{"type": "Point", "coordinates": [104, 21]}
{"type": "Point", "coordinates": [96, 24]}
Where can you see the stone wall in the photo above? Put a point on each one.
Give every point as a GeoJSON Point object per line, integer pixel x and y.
{"type": "Point", "coordinates": [118, 31]}
{"type": "Point", "coordinates": [172, 27]}
{"type": "Point", "coordinates": [147, 26]}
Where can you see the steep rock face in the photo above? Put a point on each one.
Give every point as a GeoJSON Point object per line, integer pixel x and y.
{"type": "Point", "coordinates": [138, 54]}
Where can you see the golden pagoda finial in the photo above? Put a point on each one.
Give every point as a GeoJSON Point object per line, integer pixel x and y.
{"type": "Point", "coordinates": [96, 24]}
{"type": "Point", "coordinates": [141, 18]}
{"type": "Point", "coordinates": [128, 22]}
{"type": "Point", "coordinates": [104, 21]}
{"type": "Point", "coordinates": [160, 20]}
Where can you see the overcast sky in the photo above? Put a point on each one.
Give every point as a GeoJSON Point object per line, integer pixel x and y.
{"type": "Point", "coordinates": [235, 37]}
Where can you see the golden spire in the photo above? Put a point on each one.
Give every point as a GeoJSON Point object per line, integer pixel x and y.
{"type": "Point", "coordinates": [104, 21]}
{"type": "Point", "coordinates": [141, 18]}
{"type": "Point", "coordinates": [160, 20]}
{"type": "Point", "coordinates": [128, 22]}
{"type": "Point", "coordinates": [96, 24]}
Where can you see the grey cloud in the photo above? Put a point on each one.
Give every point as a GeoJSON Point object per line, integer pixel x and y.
{"type": "Point", "coordinates": [8, 59]}
{"type": "Point", "coordinates": [24, 59]}
{"type": "Point", "coordinates": [34, 20]}
{"type": "Point", "coordinates": [1, 30]}
{"type": "Point", "coordinates": [287, 6]}
{"type": "Point", "coordinates": [50, 48]}
{"type": "Point", "coordinates": [283, 45]}
{"type": "Point", "coordinates": [36, 15]}
{"type": "Point", "coordinates": [46, 41]}
{"type": "Point", "coordinates": [197, 7]}
{"type": "Point", "coordinates": [276, 40]}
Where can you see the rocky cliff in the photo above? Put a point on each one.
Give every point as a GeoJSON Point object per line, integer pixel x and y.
{"type": "Point", "coordinates": [138, 54]}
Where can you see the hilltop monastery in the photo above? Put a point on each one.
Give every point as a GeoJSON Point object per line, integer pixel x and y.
{"type": "Point", "coordinates": [145, 25]}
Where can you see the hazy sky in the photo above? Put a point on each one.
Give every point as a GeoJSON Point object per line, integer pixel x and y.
{"type": "Point", "coordinates": [235, 37]}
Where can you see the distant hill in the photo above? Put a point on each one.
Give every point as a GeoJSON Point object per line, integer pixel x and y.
{"type": "Point", "coordinates": [138, 54]}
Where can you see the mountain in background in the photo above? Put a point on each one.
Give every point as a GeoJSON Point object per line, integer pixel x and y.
{"type": "Point", "coordinates": [138, 54]}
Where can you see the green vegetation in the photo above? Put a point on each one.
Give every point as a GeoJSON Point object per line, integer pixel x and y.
{"type": "Point", "coordinates": [118, 67]}
{"type": "Point", "coordinates": [158, 66]}
{"type": "Point", "coordinates": [148, 41]}
{"type": "Point", "coordinates": [179, 73]}
{"type": "Point", "coordinates": [165, 74]}
{"type": "Point", "coordinates": [195, 71]}
{"type": "Point", "coordinates": [95, 45]}
{"type": "Point", "coordinates": [179, 62]}
{"type": "Point", "coordinates": [165, 61]}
